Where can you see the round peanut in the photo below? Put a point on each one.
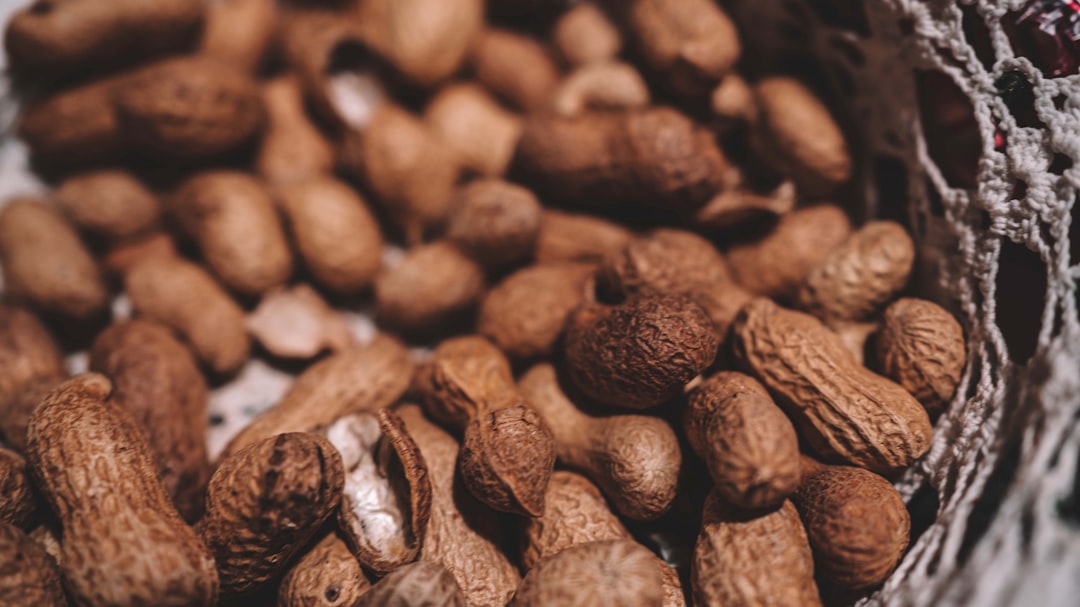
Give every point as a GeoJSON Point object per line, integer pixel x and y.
{"type": "Point", "coordinates": [495, 222]}
{"type": "Point", "coordinates": [584, 35]}
{"type": "Point", "coordinates": [111, 204]}
{"type": "Point", "coordinates": [431, 289]}
{"type": "Point", "coordinates": [620, 573]}
{"type": "Point", "coordinates": [480, 131]}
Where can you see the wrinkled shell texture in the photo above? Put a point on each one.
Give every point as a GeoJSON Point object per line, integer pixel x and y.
{"type": "Point", "coordinates": [495, 222]}
{"type": "Point", "coordinates": [360, 380]}
{"type": "Point", "coordinates": [621, 573]}
{"type": "Point", "coordinates": [158, 381]}
{"type": "Point", "coordinates": [231, 216]}
{"type": "Point", "coordinates": [776, 264]}
{"type": "Point", "coordinates": [515, 67]}
{"type": "Point", "coordinates": [574, 513]}
{"type": "Point", "coordinates": [109, 203]}
{"type": "Point", "coordinates": [420, 584]}
{"type": "Point", "coordinates": [123, 541]}
{"type": "Point", "coordinates": [45, 263]}
{"type": "Point", "coordinates": [123, 256]}
{"type": "Point", "coordinates": [18, 501]}
{"type": "Point", "coordinates": [433, 285]}
{"type": "Point", "coordinates": [584, 34]}
{"type": "Point", "coordinates": [16, 415]}
{"type": "Point", "coordinates": [857, 524]}
{"type": "Point", "coordinates": [640, 353]}
{"type": "Point", "coordinates": [752, 558]}
{"type": "Point", "coordinates": [265, 502]}
{"type": "Point", "coordinates": [27, 352]}
{"type": "Point", "coordinates": [183, 296]}
{"type": "Point", "coordinates": [471, 121]}
{"type": "Point", "coordinates": [525, 313]}
{"type": "Point", "coordinates": [327, 576]}
{"type": "Point", "coordinates": [461, 536]}
{"type": "Point", "coordinates": [748, 444]}
{"type": "Point", "coordinates": [576, 237]}
{"type": "Point", "coordinates": [921, 347]}
{"type": "Point", "coordinates": [844, 411]}
{"type": "Point", "coordinates": [859, 276]}
{"type": "Point", "coordinates": [335, 233]}
{"type": "Point", "coordinates": [293, 149]}
{"type": "Point", "coordinates": [28, 575]}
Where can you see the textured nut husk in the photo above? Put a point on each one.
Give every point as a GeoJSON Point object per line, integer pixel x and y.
{"type": "Point", "coordinates": [327, 576]}
{"type": "Point", "coordinates": [75, 126]}
{"type": "Point", "coordinates": [183, 296]}
{"type": "Point", "coordinates": [28, 575]}
{"type": "Point", "coordinates": [401, 471]}
{"type": "Point", "coordinates": [410, 170]}
{"type": "Point", "coordinates": [675, 261]}
{"type": "Point", "coordinates": [66, 37]}
{"type": "Point", "coordinates": [27, 353]}
{"type": "Point", "coordinates": [508, 452]}
{"type": "Point", "coordinates": [265, 502]}
{"type": "Point", "coordinates": [620, 573]}
{"type": "Point", "coordinates": [126, 254]}
{"type": "Point", "coordinates": [799, 137]}
{"type": "Point", "coordinates": [584, 34]}
{"type": "Point", "coordinates": [479, 130]}
{"type": "Point", "coordinates": [359, 380]}
{"type": "Point", "coordinates": [575, 237]}
{"type": "Point", "coordinates": [239, 32]}
{"type": "Point", "coordinates": [231, 216]}
{"type": "Point", "coordinates": [158, 381]}
{"type": "Point", "coordinates": [94, 467]}
{"type": "Point", "coordinates": [18, 501]}
{"type": "Point", "coordinates": [656, 157]}
{"type": "Point", "coordinates": [45, 263]}
{"type": "Point", "coordinates": [752, 558]}
{"type": "Point", "coordinates": [416, 585]}
{"type": "Point", "coordinates": [634, 459]}
{"type": "Point", "coordinates": [856, 522]}
{"type": "Point", "coordinates": [17, 411]}
{"type": "Point", "coordinates": [293, 148]}
{"type": "Point", "coordinates": [842, 410]}
{"type": "Point", "coordinates": [691, 44]}
{"type": "Point", "coordinates": [525, 313]}
{"type": "Point", "coordinates": [434, 286]}
{"type": "Point", "coordinates": [461, 536]}
{"type": "Point", "coordinates": [640, 353]}
{"type": "Point", "coordinates": [111, 203]}
{"type": "Point", "coordinates": [776, 264]}
{"type": "Point", "coordinates": [856, 279]}
{"type": "Point", "coordinates": [189, 108]}
{"type": "Point", "coordinates": [515, 67]}
{"type": "Point", "coordinates": [600, 86]}
{"type": "Point", "coordinates": [575, 513]}
{"type": "Point", "coordinates": [298, 323]}
{"type": "Point", "coordinates": [921, 347]}
{"type": "Point", "coordinates": [749, 446]}
{"type": "Point", "coordinates": [495, 222]}
{"type": "Point", "coordinates": [335, 233]}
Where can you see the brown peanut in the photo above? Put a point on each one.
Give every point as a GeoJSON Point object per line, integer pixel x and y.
{"type": "Point", "coordinates": [733, 101]}
{"type": "Point", "coordinates": [574, 237]}
{"type": "Point", "coordinates": [416, 585]}
{"type": "Point", "coordinates": [28, 353]}
{"type": "Point", "coordinates": [843, 411]}
{"type": "Point", "coordinates": [327, 576]}
{"type": "Point", "coordinates": [18, 500]}
{"type": "Point", "coordinates": [433, 288]}
{"type": "Point", "coordinates": [515, 67]}
{"type": "Point", "coordinates": [17, 411]}
{"type": "Point", "coordinates": [28, 575]}
{"type": "Point", "coordinates": [293, 149]}
{"type": "Point", "coordinates": [110, 203]}
{"type": "Point", "coordinates": [479, 130]}
{"type": "Point", "coordinates": [239, 32]}
{"type": "Point", "coordinates": [634, 459]}
{"type": "Point", "coordinates": [123, 541]}
{"type": "Point", "coordinates": [620, 573]}
{"type": "Point", "coordinates": [584, 35]}
{"type": "Point", "coordinates": [495, 222]}
{"type": "Point", "coordinates": [736, 206]}
{"type": "Point", "coordinates": [600, 86]}
{"type": "Point", "coordinates": [126, 254]}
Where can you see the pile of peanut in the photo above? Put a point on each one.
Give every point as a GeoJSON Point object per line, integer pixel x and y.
{"type": "Point", "coordinates": [639, 301]}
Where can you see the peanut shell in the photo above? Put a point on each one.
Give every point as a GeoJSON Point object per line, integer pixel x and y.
{"type": "Point", "coordinates": [27, 353]}
{"type": "Point", "coordinates": [327, 576]}
{"type": "Point", "coordinates": [576, 237]}
{"type": "Point", "coordinates": [415, 585]}
{"type": "Point", "coordinates": [621, 573]}
{"type": "Point", "coordinates": [18, 500]}
{"type": "Point", "coordinates": [432, 288]}
{"type": "Point", "coordinates": [28, 575]}
{"type": "Point", "coordinates": [110, 203]}
{"type": "Point", "coordinates": [495, 222]}
{"type": "Point", "coordinates": [514, 67]}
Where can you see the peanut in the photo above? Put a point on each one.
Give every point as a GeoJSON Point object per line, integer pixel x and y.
{"type": "Point", "coordinates": [298, 323]}
{"type": "Point", "coordinates": [748, 445]}
{"type": "Point", "coordinates": [18, 500]}
{"type": "Point", "coordinates": [733, 101]}
{"type": "Point", "coordinates": [27, 353]}
{"type": "Point", "coordinates": [921, 347]}
{"type": "Point", "coordinates": [28, 575]}
{"type": "Point", "coordinates": [327, 576]}
{"type": "Point", "coordinates": [293, 148]}
{"type": "Point", "coordinates": [429, 291]}
{"type": "Point", "coordinates": [843, 411]}
{"type": "Point", "coordinates": [600, 86]}
{"type": "Point", "coordinates": [17, 411]}
{"type": "Point", "coordinates": [124, 255]}
{"type": "Point", "coordinates": [111, 204]}
{"type": "Point", "coordinates": [123, 541]}
{"type": "Point", "coordinates": [416, 585]}
{"type": "Point", "coordinates": [239, 32]}
{"type": "Point", "coordinates": [635, 459]}
{"type": "Point", "coordinates": [78, 126]}
{"type": "Point", "coordinates": [515, 67]}
{"type": "Point", "coordinates": [617, 572]}
{"type": "Point", "coordinates": [495, 222]}
{"type": "Point", "coordinates": [855, 335]}
{"type": "Point", "coordinates": [640, 353]}
{"type": "Point", "coordinates": [45, 263]}
{"type": "Point", "coordinates": [479, 130]}
{"type": "Point", "coordinates": [264, 503]}
{"type": "Point", "coordinates": [584, 35]}
{"type": "Point", "coordinates": [574, 237]}
{"type": "Point", "coordinates": [507, 451]}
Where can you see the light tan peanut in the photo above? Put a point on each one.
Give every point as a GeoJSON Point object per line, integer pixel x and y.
{"type": "Point", "coordinates": [264, 503]}
{"type": "Point", "coordinates": [748, 445]}
{"type": "Point", "coordinates": [28, 575]}
{"type": "Point", "coordinates": [123, 541]}
{"type": "Point", "coordinates": [293, 149]}
{"type": "Point", "coordinates": [432, 289]}
{"type": "Point", "coordinates": [600, 86]}
{"type": "Point", "coordinates": [752, 558]}
{"type": "Point", "coordinates": [634, 459]}
{"type": "Point", "coordinates": [181, 295]}
{"type": "Point", "coordinates": [158, 381]}
{"type": "Point", "coordinates": [733, 101]}
{"type": "Point", "coordinates": [362, 379]}
{"type": "Point", "coordinates": [327, 576]}
{"type": "Point", "coordinates": [335, 233]}
{"type": "Point", "coordinates": [574, 237]}
{"type": "Point", "coordinates": [515, 67]}
{"type": "Point", "coordinates": [232, 219]}
{"type": "Point", "coordinates": [461, 535]}
{"type": "Point", "coordinates": [798, 136]}
{"type": "Point", "coordinates": [17, 411]}
{"type": "Point", "coordinates": [855, 336]}
{"type": "Point", "coordinates": [45, 263]}
{"type": "Point", "coordinates": [18, 500]}
{"type": "Point", "coordinates": [584, 35]}
{"type": "Point", "coordinates": [856, 522]}
{"type": "Point", "coordinates": [857, 278]}
{"type": "Point", "coordinates": [777, 263]}
{"type": "Point", "coordinates": [298, 323]}
{"type": "Point", "coordinates": [508, 451]}
{"type": "Point", "coordinates": [842, 410]}
{"type": "Point", "coordinates": [480, 131]}
{"type": "Point", "coordinates": [112, 204]}
{"type": "Point", "coordinates": [239, 32]}
{"type": "Point", "coordinates": [28, 353]}
{"type": "Point", "coordinates": [921, 347]}
{"type": "Point", "coordinates": [525, 313]}
{"type": "Point", "coordinates": [616, 572]}
{"type": "Point", "coordinates": [416, 585]}
{"type": "Point", "coordinates": [126, 254]}
{"type": "Point", "coordinates": [495, 222]}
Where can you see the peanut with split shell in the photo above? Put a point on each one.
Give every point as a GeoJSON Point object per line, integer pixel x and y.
{"type": "Point", "coordinates": [621, 573]}
{"type": "Point", "coordinates": [28, 575]}
{"type": "Point", "coordinates": [327, 576]}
